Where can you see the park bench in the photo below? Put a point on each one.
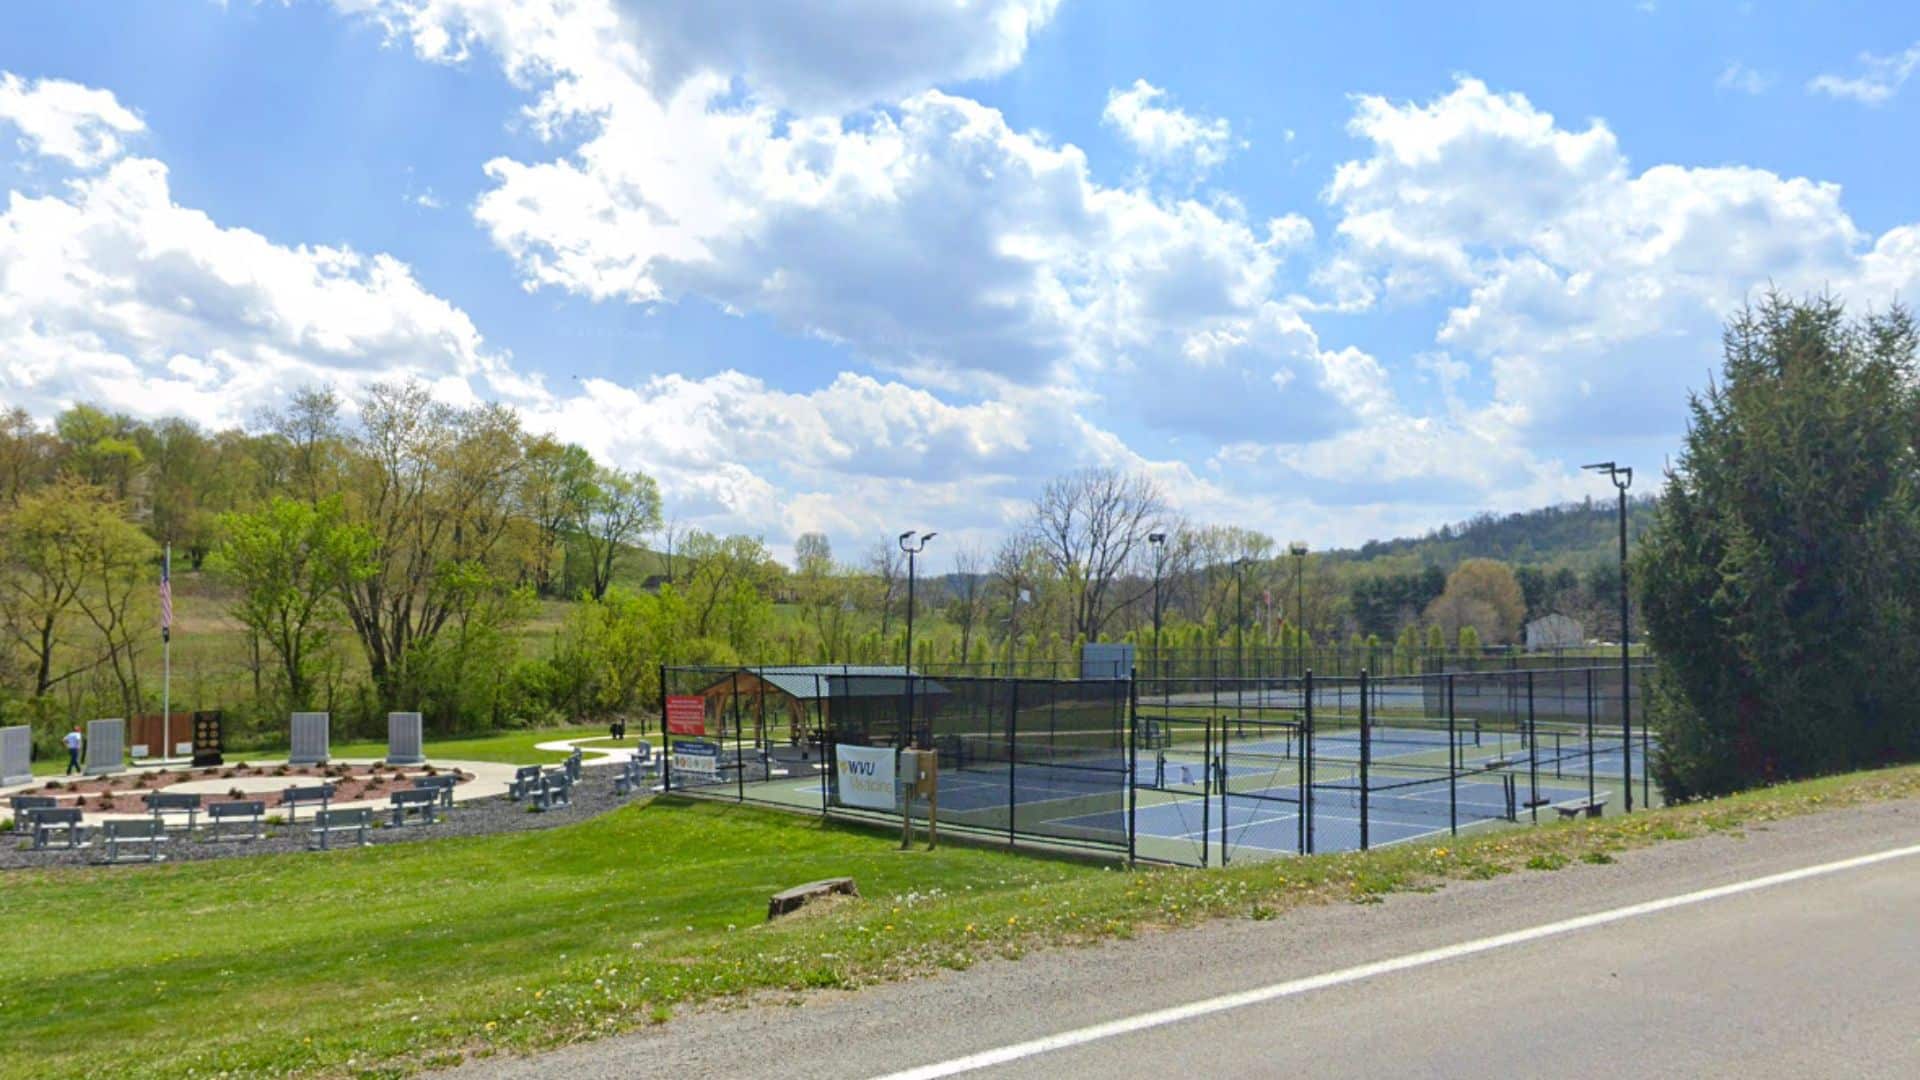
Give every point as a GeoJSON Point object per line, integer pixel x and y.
{"type": "Point", "coordinates": [133, 840]}
{"type": "Point", "coordinates": [161, 803]}
{"type": "Point", "coordinates": [63, 820]}
{"type": "Point", "coordinates": [556, 790]}
{"type": "Point", "coordinates": [221, 816]}
{"type": "Point", "coordinates": [441, 784]}
{"type": "Point", "coordinates": [573, 766]}
{"type": "Point", "coordinates": [423, 802]}
{"type": "Point", "coordinates": [526, 779]}
{"type": "Point", "coordinates": [294, 797]}
{"type": "Point", "coordinates": [1569, 811]}
{"type": "Point", "coordinates": [357, 822]}
{"type": "Point", "coordinates": [22, 805]}
{"type": "Point", "coordinates": [631, 775]}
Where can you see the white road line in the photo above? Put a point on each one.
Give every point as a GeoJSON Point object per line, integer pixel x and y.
{"type": "Point", "coordinates": [1294, 987]}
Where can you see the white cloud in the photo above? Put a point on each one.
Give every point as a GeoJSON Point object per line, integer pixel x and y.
{"type": "Point", "coordinates": [1740, 78]}
{"type": "Point", "coordinates": [812, 56]}
{"type": "Point", "coordinates": [80, 125]}
{"type": "Point", "coordinates": [112, 292]}
{"type": "Point", "coordinates": [1591, 294]}
{"type": "Point", "coordinates": [1163, 135]}
{"type": "Point", "coordinates": [1879, 79]}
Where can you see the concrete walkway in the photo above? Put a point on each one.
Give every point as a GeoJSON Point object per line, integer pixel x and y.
{"type": "Point", "coordinates": [592, 755]}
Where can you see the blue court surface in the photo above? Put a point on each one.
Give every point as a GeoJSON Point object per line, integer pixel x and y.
{"type": "Point", "coordinates": [1271, 826]}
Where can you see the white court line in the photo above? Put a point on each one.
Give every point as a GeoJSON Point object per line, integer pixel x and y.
{"type": "Point", "coordinates": [1295, 987]}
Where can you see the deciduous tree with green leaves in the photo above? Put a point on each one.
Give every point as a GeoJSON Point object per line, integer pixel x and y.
{"type": "Point", "coordinates": [289, 560]}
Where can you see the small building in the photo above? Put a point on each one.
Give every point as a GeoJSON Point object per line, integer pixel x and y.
{"type": "Point", "coordinates": [1554, 631]}
{"type": "Point", "coordinates": [860, 703]}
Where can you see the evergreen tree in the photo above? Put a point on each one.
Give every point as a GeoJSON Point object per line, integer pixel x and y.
{"type": "Point", "coordinates": [1780, 578]}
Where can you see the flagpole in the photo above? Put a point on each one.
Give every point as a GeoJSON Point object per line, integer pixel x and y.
{"type": "Point", "coordinates": [166, 658]}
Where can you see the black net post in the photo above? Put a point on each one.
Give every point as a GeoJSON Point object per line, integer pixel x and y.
{"type": "Point", "coordinates": [1366, 758]}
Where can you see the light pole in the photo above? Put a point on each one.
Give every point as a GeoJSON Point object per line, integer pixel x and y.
{"type": "Point", "coordinates": [913, 549]}
{"type": "Point", "coordinates": [1622, 479]}
{"type": "Point", "coordinates": [1298, 549]}
{"type": "Point", "coordinates": [1159, 542]}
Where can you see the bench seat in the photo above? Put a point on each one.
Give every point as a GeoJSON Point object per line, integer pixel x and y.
{"type": "Point", "coordinates": [356, 823]}
{"type": "Point", "coordinates": [222, 817]}
{"type": "Point", "coordinates": [423, 803]}
{"type": "Point", "coordinates": [136, 840]}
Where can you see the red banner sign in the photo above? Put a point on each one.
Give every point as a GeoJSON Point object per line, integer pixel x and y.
{"type": "Point", "coordinates": [686, 715]}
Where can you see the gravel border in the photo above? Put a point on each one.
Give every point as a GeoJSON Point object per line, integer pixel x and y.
{"type": "Point", "coordinates": [592, 796]}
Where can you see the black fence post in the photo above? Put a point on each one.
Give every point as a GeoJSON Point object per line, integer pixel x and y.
{"type": "Point", "coordinates": [666, 739]}
{"type": "Point", "coordinates": [1221, 770]}
{"type": "Point", "coordinates": [1133, 758]}
{"type": "Point", "coordinates": [1590, 758]}
{"type": "Point", "coordinates": [1206, 788]}
{"type": "Point", "coordinates": [1013, 726]}
{"type": "Point", "coordinates": [826, 759]}
{"type": "Point", "coordinates": [1533, 756]}
{"type": "Point", "coordinates": [1646, 753]}
{"type": "Point", "coordinates": [1366, 759]}
{"type": "Point", "coordinates": [739, 753]}
{"type": "Point", "coordinates": [1453, 765]}
{"type": "Point", "coordinates": [1306, 761]}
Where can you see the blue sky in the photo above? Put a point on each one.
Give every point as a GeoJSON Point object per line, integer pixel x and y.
{"type": "Point", "coordinates": [1335, 271]}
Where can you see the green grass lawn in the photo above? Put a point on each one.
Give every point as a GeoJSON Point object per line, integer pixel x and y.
{"type": "Point", "coordinates": [390, 959]}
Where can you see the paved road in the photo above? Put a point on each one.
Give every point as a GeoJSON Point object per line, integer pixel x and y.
{"type": "Point", "coordinates": [1818, 977]}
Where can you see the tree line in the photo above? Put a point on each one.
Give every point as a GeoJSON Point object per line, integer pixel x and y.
{"type": "Point", "coordinates": [397, 552]}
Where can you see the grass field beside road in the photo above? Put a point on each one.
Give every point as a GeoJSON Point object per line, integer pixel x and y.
{"type": "Point", "coordinates": [385, 960]}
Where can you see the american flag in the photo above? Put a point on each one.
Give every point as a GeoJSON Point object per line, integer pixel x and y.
{"type": "Point", "coordinates": [166, 595]}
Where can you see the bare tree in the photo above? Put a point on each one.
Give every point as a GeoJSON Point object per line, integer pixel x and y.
{"type": "Point", "coordinates": [889, 571]}
{"type": "Point", "coordinates": [1092, 525]}
{"type": "Point", "coordinates": [967, 599]}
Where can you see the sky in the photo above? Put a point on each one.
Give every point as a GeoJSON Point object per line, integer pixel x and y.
{"type": "Point", "coordinates": [1331, 271]}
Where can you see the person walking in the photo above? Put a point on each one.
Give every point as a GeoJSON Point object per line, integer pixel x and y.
{"type": "Point", "coordinates": [73, 741]}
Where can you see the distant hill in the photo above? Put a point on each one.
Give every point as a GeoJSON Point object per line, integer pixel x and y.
{"type": "Point", "coordinates": [1573, 534]}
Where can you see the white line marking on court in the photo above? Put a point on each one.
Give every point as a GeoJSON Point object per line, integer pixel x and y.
{"type": "Point", "coordinates": [1295, 987]}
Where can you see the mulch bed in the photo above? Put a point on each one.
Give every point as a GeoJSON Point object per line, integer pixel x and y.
{"type": "Point", "coordinates": [125, 793]}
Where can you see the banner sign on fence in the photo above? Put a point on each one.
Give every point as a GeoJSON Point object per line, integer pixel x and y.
{"type": "Point", "coordinates": [698, 758]}
{"type": "Point", "coordinates": [687, 715]}
{"type": "Point", "coordinates": [866, 776]}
